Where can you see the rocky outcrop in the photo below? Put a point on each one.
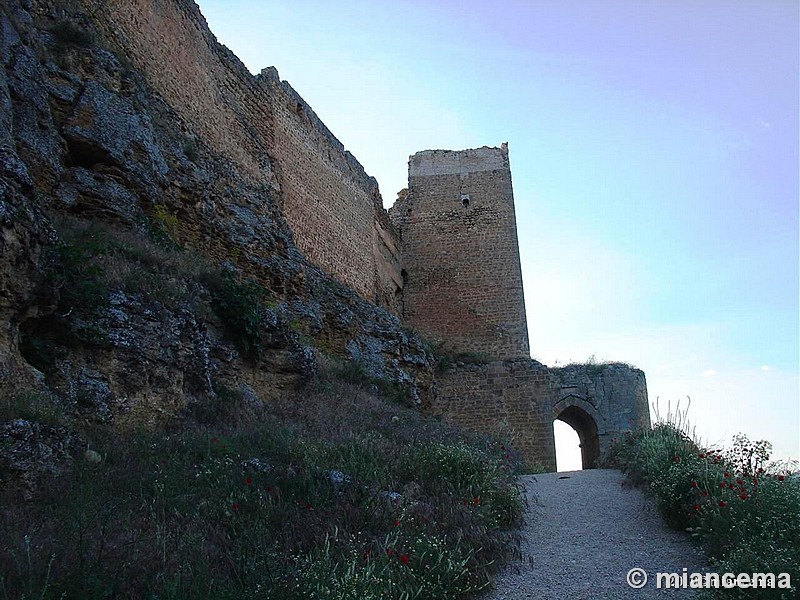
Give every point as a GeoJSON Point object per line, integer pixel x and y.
{"type": "Point", "coordinates": [143, 277]}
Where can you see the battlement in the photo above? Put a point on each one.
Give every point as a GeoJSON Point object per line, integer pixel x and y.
{"type": "Point", "coordinates": [449, 162]}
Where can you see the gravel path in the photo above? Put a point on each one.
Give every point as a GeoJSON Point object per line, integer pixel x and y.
{"type": "Point", "coordinates": [584, 531]}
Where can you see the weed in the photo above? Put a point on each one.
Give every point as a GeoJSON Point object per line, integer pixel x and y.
{"type": "Point", "coordinates": [719, 496]}
{"type": "Point", "coordinates": [242, 305]}
{"type": "Point", "coordinates": [31, 405]}
{"type": "Point", "coordinates": [166, 223]}
{"type": "Point", "coordinates": [326, 497]}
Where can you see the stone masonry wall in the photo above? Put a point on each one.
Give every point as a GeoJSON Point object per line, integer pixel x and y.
{"type": "Point", "coordinates": [333, 207]}
{"type": "Point", "coordinates": [512, 398]}
{"type": "Point", "coordinates": [269, 132]}
{"type": "Point", "coordinates": [613, 394]}
{"type": "Point", "coordinates": [461, 255]}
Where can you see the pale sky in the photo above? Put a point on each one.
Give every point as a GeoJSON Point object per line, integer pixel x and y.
{"type": "Point", "coordinates": [654, 154]}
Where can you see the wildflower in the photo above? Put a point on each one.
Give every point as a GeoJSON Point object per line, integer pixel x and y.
{"type": "Point", "coordinates": [704, 493]}
{"type": "Point", "coordinates": [502, 446]}
{"type": "Point", "coordinates": [248, 480]}
{"type": "Point", "coordinates": [404, 559]}
{"type": "Point", "coordinates": [723, 485]}
{"type": "Point", "coordinates": [739, 481]}
{"type": "Point", "coordinates": [676, 459]}
{"type": "Point", "coordinates": [722, 503]}
{"type": "Point", "coordinates": [695, 484]}
{"type": "Point", "coordinates": [727, 474]}
{"type": "Point", "coordinates": [507, 456]}
{"type": "Point", "coordinates": [390, 552]}
{"type": "Point", "coordinates": [696, 508]}
{"type": "Point", "coordinates": [744, 496]}
{"type": "Point", "coordinates": [397, 523]}
{"type": "Point", "coordinates": [781, 477]}
{"type": "Point", "coordinates": [476, 501]}
{"type": "Point", "coordinates": [702, 455]}
{"type": "Point", "coordinates": [235, 506]}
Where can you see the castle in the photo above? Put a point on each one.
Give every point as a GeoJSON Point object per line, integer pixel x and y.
{"type": "Point", "coordinates": [444, 259]}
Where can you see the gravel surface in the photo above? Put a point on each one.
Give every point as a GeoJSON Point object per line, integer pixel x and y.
{"type": "Point", "coordinates": [584, 531]}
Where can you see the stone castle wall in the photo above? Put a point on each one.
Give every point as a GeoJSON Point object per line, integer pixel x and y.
{"type": "Point", "coordinates": [520, 399]}
{"type": "Point", "coordinates": [445, 258]}
{"type": "Point", "coordinates": [512, 399]}
{"type": "Point", "coordinates": [272, 136]}
{"type": "Point", "coordinates": [459, 236]}
{"type": "Point", "coordinates": [333, 207]}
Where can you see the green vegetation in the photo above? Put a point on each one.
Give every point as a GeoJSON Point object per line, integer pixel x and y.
{"type": "Point", "coordinates": [447, 357]}
{"type": "Point", "coordinates": [335, 494]}
{"type": "Point", "coordinates": [242, 305]}
{"type": "Point", "coordinates": [744, 510]}
{"type": "Point", "coordinates": [67, 33]}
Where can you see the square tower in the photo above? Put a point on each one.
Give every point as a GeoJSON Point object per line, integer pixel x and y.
{"type": "Point", "coordinates": [462, 275]}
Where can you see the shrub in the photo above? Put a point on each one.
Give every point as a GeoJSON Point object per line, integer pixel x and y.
{"type": "Point", "coordinates": [67, 33]}
{"type": "Point", "coordinates": [242, 306]}
{"type": "Point", "coordinates": [743, 509]}
{"type": "Point", "coordinates": [288, 505]}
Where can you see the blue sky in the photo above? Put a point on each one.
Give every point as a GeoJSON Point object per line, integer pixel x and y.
{"type": "Point", "coordinates": [654, 153]}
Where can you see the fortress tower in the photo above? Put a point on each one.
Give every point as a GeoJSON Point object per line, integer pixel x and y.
{"type": "Point", "coordinates": [462, 275]}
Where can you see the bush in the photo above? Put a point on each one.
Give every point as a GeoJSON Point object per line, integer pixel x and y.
{"type": "Point", "coordinates": [743, 509]}
{"type": "Point", "coordinates": [242, 306]}
{"type": "Point", "coordinates": [318, 500]}
{"type": "Point", "coordinates": [67, 33]}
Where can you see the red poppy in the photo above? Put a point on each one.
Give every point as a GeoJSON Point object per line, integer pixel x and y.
{"type": "Point", "coordinates": [502, 446]}
{"type": "Point", "coordinates": [722, 503]}
{"type": "Point", "coordinates": [702, 455]}
{"type": "Point", "coordinates": [235, 506]}
{"type": "Point", "coordinates": [744, 496]}
{"type": "Point", "coordinates": [727, 474]}
{"type": "Point", "coordinates": [397, 523]}
{"type": "Point", "coordinates": [695, 484]}
{"type": "Point", "coordinates": [248, 481]}
{"type": "Point", "coordinates": [781, 477]}
{"type": "Point", "coordinates": [476, 501]}
{"type": "Point", "coordinates": [404, 559]}
{"type": "Point", "coordinates": [723, 485]}
{"type": "Point", "coordinates": [704, 493]}
{"type": "Point", "coordinates": [676, 459]}
{"type": "Point", "coordinates": [696, 507]}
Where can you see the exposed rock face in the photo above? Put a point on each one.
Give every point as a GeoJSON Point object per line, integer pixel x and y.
{"type": "Point", "coordinates": [89, 150]}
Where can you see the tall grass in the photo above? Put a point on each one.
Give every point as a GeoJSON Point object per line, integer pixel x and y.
{"type": "Point", "coordinates": [743, 509]}
{"type": "Point", "coordinates": [332, 493]}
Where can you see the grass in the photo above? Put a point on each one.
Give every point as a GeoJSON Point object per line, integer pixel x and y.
{"type": "Point", "coordinates": [331, 494]}
{"type": "Point", "coordinates": [743, 509]}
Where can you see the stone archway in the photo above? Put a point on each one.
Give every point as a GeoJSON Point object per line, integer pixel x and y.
{"type": "Point", "coordinates": [578, 414]}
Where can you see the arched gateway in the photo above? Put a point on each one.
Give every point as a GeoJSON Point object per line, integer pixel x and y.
{"type": "Point", "coordinates": [519, 400]}
{"type": "Point", "coordinates": [582, 417]}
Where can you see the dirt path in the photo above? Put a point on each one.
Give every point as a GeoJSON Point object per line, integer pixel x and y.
{"type": "Point", "coordinates": [585, 530]}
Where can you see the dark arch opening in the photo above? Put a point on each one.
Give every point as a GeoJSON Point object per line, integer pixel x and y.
{"type": "Point", "coordinates": [583, 423]}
